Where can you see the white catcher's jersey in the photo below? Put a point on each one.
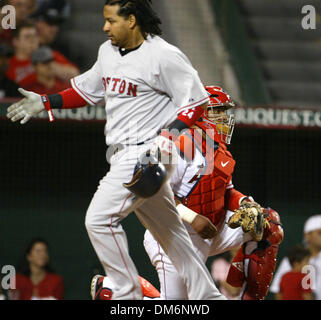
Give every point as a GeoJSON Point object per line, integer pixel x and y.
{"type": "Point", "coordinates": [187, 174]}
{"type": "Point", "coordinates": [144, 90]}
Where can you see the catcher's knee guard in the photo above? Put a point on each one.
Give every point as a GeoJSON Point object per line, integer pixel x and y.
{"type": "Point", "coordinates": [254, 263]}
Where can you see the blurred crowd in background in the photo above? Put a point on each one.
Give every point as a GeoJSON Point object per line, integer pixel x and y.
{"type": "Point", "coordinates": [32, 56]}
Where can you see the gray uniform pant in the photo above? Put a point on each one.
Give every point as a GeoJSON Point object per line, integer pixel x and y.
{"type": "Point", "coordinates": [112, 203]}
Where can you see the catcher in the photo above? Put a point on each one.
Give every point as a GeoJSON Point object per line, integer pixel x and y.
{"type": "Point", "coordinates": [217, 216]}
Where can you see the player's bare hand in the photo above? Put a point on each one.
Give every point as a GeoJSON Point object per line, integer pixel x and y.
{"type": "Point", "coordinates": [26, 108]}
{"type": "Point", "coordinates": [204, 227]}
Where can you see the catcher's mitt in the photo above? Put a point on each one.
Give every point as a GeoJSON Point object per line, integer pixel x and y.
{"type": "Point", "coordinates": [251, 218]}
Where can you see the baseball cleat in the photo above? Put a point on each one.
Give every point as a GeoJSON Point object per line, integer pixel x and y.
{"type": "Point", "coordinates": [97, 291]}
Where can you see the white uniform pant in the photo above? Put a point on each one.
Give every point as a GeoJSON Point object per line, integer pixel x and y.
{"type": "Point", "coordinates": [112, 203]}
{"type": "Point", "coordinates": [172, 286]}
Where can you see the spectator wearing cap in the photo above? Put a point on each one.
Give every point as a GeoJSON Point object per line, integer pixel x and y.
{"type": "Point", "coordinates": [46, 81]}
{"type": "Point", "coordinates": [48, 24]}
{"type": "Point", "coordinates": [62, 6]}
{"type": "Point", "coordinates": [8, 88]}
{"type": "Point", "coordinates": [312, 239]}
{"type": "Point", "coordinates": [24, 9]}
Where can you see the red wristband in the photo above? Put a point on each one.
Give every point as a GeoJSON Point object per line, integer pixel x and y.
{"type": "Point", "coordinates": [46, 103]}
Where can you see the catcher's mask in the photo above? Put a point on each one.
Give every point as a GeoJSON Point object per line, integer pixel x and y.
{"type": "Point", "coordinates": [149, 176]}
{"type": "Point", "coordinates": [216, 112]}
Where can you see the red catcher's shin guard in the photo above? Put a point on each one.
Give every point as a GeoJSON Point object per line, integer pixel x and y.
{"type": "Point", "coordinates": [260, 273]}
{"type": "Point", "coordinates": [257, 266]}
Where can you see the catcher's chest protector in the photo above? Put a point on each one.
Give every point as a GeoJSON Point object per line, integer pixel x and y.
{"type": "Point", "coordinates": [207, 196]}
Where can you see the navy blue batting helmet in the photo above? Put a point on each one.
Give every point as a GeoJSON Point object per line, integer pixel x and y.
{"type": "Point", "coordinates": [148, 178]}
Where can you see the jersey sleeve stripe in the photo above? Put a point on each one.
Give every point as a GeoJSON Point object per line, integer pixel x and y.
{"type": "Point", "coordinates": [81, 93]}
{"type": "Point", "coordinates": [193, 105]}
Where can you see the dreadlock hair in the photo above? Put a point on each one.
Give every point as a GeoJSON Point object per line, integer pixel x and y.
{"type": "Point", "coordinates": [146, 17]}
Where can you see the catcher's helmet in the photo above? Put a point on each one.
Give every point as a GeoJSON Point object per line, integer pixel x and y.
{"type": "Point", "coordinates": [149, 176]}
{"type": "Point", "coordinates": [219, 103]}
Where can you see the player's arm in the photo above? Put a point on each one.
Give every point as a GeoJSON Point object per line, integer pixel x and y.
{"type": "Point", "coordinates": [87, 88]}
{"type": "Point", "coordinates": [234, 198]}
{"type": "Point", "coordinates": [202, 225]}
{"type": "Point", "coordinates": [34, 103]}
{"type": "Point", "coordinates": [185, 120]}
{"type": "Point", "coordinates": [180, 81]}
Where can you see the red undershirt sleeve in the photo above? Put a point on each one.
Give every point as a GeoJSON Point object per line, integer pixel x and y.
{"type": "Point", "coordinates": [233, 199]}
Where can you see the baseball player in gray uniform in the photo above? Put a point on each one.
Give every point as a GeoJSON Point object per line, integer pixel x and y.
{"type": "Point", "coordinates": [148, 85]}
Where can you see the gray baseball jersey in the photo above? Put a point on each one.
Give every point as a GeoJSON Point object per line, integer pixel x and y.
{"type": "Point", "coordinates": [144, 90]}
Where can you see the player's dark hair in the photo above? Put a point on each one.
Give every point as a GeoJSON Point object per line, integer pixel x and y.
{"type": "Point", "coordinates": [297, 254]}
{"type": "Point", "coordinates": [146, 17]}
{"type": "Point", "coordinates": [24, 266]}
{"type": "Point", "coordinates": [25, 25]}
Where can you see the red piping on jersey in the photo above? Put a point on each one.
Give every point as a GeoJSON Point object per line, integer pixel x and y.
{"type": "Point", "coordinates": [80, 91]}
{"type": "Point", "coordinates": [113, 234]}
{"type": "Point", "coordinates": [163, 267]}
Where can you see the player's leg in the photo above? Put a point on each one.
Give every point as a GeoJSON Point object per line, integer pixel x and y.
{"type": "Point", "coordinates": [159, 215]}
{"type": "Point", "coordinates": [172, 286]}
{"type": "Point", "coordinates": [110, 204]}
